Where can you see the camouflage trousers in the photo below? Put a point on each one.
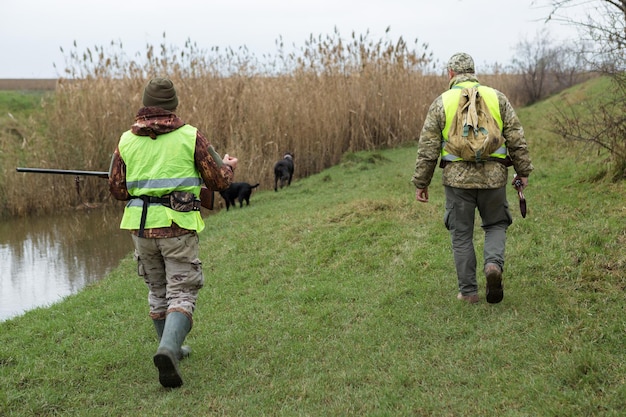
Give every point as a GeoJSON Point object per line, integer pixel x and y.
{"type": "Point", "coordinates": [459, 217]}
{"type": "Point", "coordinates": [172, 271]}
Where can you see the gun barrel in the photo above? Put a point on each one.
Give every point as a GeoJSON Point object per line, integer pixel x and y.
{"type": "Point", "coordinates": [100, 174]}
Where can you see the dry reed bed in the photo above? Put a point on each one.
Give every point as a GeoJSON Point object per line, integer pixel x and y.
{"type": "Point", "coordinates": [335, 98]}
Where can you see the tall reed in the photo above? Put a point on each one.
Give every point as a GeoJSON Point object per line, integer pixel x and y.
{"type": "Point", "coordinates": [329, 97]}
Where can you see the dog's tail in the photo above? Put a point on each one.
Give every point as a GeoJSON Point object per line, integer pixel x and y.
{"type": "Point", "coordinates": [255, 185]}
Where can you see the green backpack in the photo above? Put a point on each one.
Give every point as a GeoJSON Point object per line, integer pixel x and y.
{"type": "Point", "coordinates": [474, 133]}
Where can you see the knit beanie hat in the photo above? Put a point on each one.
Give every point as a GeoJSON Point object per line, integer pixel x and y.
{"type": "Point", "coordinates": [461, 63]}
{"type": "Point", "coordinates": [160, 92]}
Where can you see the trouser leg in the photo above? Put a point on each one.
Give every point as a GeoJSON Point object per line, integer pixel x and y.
{"type": "Point", "coordinates": [459, 220]}
{"type": "Point", "coordinates": [172, 271]}
{"type": "Point", "coordinates": [151, 267]}
{"type": "Point", "coordinates": [184, 273]}
{"type": "Point", "coordinates": [496, 218]}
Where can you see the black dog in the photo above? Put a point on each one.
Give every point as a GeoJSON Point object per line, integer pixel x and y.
{"type": "Point", "coordinates": [283, 171]}
{"type": "Point", "coordinates": [237, 191]}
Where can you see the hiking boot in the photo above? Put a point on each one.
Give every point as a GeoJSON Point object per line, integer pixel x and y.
{"type": "Point", "coordinates": [494, 293]}
{"type": "Point", "coordinates": [472, 299]}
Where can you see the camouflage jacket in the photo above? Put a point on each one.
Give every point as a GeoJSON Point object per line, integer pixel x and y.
{"type": "Point", "coordinates": [151, 122]}
{"type": "Point", "coordinates": [462, 174]}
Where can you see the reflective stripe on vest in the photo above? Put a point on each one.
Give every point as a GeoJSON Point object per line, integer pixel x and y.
{"type": "Point", "coordinates": [451, 99]}
{"type": "Point", "coordinates": [155, 167]}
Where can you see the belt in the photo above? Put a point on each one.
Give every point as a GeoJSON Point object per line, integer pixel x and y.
{"type": "Point", "coordinates": [507, 162]}
{"type": "Point", "coordinates": [166, 201]}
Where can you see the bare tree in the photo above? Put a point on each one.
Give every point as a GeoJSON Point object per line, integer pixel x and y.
{"type": "Point", "coordinates": [546, 68]}
{"type": "Point", "coordinates": [604, 124]}
{"type": "Point", "coordinates": [533, 61]}
{"type": "Point", "coordinates": [603, 24]}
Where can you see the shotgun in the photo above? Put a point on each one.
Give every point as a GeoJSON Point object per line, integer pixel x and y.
{"type": "Point", "coordinates": [207, 196]}
{"type": "Point", "coordinates": [99, 174]}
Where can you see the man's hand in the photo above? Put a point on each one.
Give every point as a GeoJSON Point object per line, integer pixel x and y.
{"type": "Point", "coordinates": [421, 195]}
{"type": "Point", "coordinates": [519, 182]}
{"type": "Point", "coordinates": [231, 161]}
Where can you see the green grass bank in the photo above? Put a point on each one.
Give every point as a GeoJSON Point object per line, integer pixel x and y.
{"type": "Point", "coordinates": [336, 297]}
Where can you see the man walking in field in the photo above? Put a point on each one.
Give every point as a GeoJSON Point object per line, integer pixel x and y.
{"type": "Point", "coordinates": [159, 167]}
{"type": "Point", "coordinates": [472, 184]}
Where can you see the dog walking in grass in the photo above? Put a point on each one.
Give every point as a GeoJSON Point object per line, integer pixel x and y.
{"type": "Point", "coordinates": [238, 191]}
{"type": "Point", "coordinates": [283, 171]}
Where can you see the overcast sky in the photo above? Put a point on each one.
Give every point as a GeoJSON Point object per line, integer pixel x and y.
{"type": "Point", "coordinates": [33, 31]}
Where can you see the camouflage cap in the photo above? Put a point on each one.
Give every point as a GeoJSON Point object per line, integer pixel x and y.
{"type": "Point", "coordinates": [461, 63]}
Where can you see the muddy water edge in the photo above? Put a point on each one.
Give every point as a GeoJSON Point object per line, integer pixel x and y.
{"type": "Point", "coordinates": [46, 258]}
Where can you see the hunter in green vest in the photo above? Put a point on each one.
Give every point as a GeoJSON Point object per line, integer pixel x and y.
{"type": "Point", "coordinates": [160, 167]}
{"type": "Point", "coordinates": [472, 185]}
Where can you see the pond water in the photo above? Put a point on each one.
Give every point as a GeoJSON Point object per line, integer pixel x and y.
{"type": "Point", "coordinates": [44, 259]}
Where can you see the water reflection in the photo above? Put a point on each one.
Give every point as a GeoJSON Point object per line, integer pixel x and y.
{"type": "Point", "coordinates": [43, 259]}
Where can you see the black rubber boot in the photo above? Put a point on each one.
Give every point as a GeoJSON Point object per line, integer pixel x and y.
{"type": "Point", "coordinates": [176, 328]}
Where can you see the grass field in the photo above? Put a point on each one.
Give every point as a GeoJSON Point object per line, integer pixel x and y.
{"type": "Point", "coordinates": [336, 297]}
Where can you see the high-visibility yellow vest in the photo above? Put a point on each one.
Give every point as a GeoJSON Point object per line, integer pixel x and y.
{"type": "Point", "coordinates": [451, 103]}
{"type": "Point", "coordinates": [155, 167]}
